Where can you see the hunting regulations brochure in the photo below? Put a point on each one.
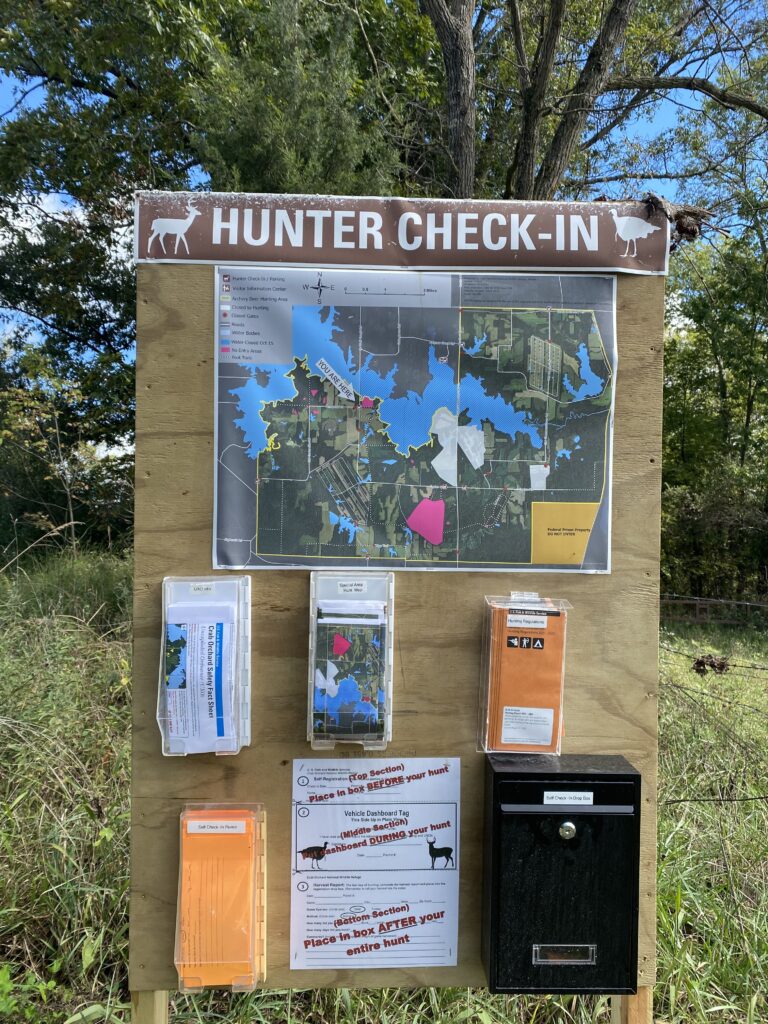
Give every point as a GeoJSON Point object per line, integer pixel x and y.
{"type": "Point", "coordinates": [522, 708]}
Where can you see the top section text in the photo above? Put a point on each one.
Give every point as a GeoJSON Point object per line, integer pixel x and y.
{"type": "Point", "coordinates": [415, 234]}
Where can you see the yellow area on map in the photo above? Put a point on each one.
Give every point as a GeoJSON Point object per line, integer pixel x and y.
{"type": "Point", "coordinates": [560, 531]}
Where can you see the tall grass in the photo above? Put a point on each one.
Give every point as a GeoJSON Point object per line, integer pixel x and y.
{"type": "Point", "coordinates": [92, 588]}
{"type": "Point", "coordinates": [64, 782]}
{"type": "Point", "coordinates": [64, 779]}
{"type": "Point", "coordinates": [713, 829]}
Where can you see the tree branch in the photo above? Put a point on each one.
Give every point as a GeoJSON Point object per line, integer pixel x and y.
{"type": "Point", "coordinates": [661, 83]}
{"type": "Point", "coordinates": [523, 75]}
{"type": "Point", "coordinates": [606, 179]}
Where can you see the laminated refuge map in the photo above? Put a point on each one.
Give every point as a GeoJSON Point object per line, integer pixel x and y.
{"type": "Point", "coordinates": [413, 420]}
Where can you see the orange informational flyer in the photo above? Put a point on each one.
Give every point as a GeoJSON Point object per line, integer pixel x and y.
{"type": "Point", "coordinates": [525, 660]}
{"type": "Point", "coordinates": [220, 922]}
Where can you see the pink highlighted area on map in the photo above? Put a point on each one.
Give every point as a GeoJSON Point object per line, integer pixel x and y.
{"type": "Point", "coordinates": [340, 645]}
{"type": "Point", "coordinates": [428, 520]}
{"type": "Point", "coordinates": [367, 403]}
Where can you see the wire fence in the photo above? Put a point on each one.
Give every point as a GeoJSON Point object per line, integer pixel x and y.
{"type": "Point", "coordinates": [717, 676]}
{"type": "Point", "coordinates": [680, 608]}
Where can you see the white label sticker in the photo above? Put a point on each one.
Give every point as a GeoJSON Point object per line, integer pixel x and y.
{"type": "Point", "coordinates": [531, 621]}
{"type": "Point", "coordinates": [202, 588]}
{"type": "Point", "coordinates": [557, 797]}
{"type": "Point", "coordinates": [215, 828]}
{"type": "Point", "coordinates": [527, 725]}
{"type": "Point", "coordinates": [352, 586]}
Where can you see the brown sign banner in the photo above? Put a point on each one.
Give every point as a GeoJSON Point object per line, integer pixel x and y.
{"type": "Point", "coordinates": [412, 234]}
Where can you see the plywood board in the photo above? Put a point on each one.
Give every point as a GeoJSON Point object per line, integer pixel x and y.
{"type": "Point", "coordinates": [611, 665]}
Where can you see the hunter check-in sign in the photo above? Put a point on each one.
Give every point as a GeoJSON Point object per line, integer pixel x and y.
{"type": "Point", "coordinates": [399, 233]}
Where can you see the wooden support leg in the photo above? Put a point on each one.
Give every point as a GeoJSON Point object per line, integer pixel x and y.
{"type": "Point", "coordinates": [149, 1008]}
{"type": "Point", "coordinates": [633, 1009]}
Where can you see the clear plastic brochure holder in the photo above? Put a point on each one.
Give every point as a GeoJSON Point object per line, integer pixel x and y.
{"type": "Point", "coordinates": [204, 689]}
{"type": "Point", "coordinates": [350, 659]}
{"type": "Point", "coordinates": [523, 674]}
{"type": "Point", "coordinates": [221, 908]}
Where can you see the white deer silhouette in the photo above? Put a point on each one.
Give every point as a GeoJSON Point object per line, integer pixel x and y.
{"type": "Point", "coordinates": [177, 226]}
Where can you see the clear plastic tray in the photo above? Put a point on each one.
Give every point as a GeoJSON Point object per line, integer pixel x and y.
{"type": "Point", "coordinates": [350, 659]}
{"type": "Point", "coordinates": [204, 686]}
{"type": "Point", "coordinates": [523, 674]}
{"type": "Point", "coordinates": [221, 908]}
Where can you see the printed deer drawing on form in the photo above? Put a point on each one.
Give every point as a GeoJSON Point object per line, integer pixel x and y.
{"type": "Point", "coordinates": [177, 226]}
{"type": "Point", "coordinates": [440, 852]}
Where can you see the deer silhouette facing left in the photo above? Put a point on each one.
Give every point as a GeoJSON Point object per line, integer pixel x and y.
{"type": "Point", "coordinates": [177, 226]}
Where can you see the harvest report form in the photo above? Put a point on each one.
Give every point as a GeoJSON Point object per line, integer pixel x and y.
{"type": "Point", "coordinates": [375, 863]}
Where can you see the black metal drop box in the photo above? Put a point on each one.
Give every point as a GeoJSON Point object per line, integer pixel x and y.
{"type": "Point", "coordinates": [561, 873]}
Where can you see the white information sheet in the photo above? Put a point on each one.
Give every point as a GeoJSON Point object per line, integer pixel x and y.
{"type": "Point", "coordinates": [375, 863]}
{"type": "Point", "coordinates": [199, 681]}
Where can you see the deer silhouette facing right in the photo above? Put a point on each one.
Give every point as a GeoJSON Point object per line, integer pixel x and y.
{"type": "Point", "coordinates": [440, 853]}
{"type": "Point", "coordinates": [177, 226]}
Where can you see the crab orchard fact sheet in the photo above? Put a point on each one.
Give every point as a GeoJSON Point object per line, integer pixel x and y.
{"type": "Point", "coordinates": [375, 863]}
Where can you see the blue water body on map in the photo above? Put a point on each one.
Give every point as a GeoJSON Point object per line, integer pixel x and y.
{"type": "Point", "coordinates": [392, 552]}
{"type": "Point", "coordinates": [372, 385]}
{"type": "Point", "coordinates": [409, 418]}
{"type": "Point", "coordinates": [389, 462]}
{"type": "Point", "coordinates": [408, 534]}
{"type": "Point", "coordinates": [348, 693]}
{"type": "Point", "coordinates": [501, 415]}
{"type": "Point", "coordinates": [576, 438]}
{"type": "Point", "coordinates": [592, 384]}
{"type": "Point", "coordinates": [251, 399]}
{"type": "Point", "coordinates": [178, 677]}
{"type": "Point", "coordinates": [312, 335]}
{"type": "Point", "coordinates": [345, 525]}
{"type": "Point", "coordinates": [479, 342]}
{"type": "Point", "coordinates": [564, 453]}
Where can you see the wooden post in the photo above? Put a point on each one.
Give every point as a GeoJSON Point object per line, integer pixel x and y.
{"type": "Point", "coordinates": [633, 1009]}
{"type": "Point", "coordinates": [149, 1007]}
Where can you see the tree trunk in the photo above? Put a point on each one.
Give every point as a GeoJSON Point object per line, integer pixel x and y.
{"type": "Point", "coordinates": [593, 78]}
{"type": "Point", "coordinates": [533, 83]}
{"type": "Point", "coordinates": [454, 31]}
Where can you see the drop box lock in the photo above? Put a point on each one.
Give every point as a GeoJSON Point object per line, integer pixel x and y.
{"type": "Point", "coordinates": [561, 873]}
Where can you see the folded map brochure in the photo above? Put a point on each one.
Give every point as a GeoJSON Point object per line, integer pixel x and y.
{"type": "Point", "coordinates": [220, 921]}
{"type": "Point", "coordinates": [525, 656]}
{"type": "Point", "coordinates": [204, 688]}
{"type": "Point", "coordinates": [349, 700]}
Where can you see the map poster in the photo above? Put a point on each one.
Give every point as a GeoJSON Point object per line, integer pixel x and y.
{"type": "Point", "coordinates": [413, 420]}
{"type": "Point", "coordinates": [375, 863]}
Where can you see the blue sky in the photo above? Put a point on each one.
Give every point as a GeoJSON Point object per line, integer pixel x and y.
{"type": "Point", "coordinates": [663, 120]}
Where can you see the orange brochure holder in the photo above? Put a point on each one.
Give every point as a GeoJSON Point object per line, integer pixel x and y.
{"type": "Point", "coordinates": [221, 911]}
{"type": "Point", "coordinates": [524, 669]}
